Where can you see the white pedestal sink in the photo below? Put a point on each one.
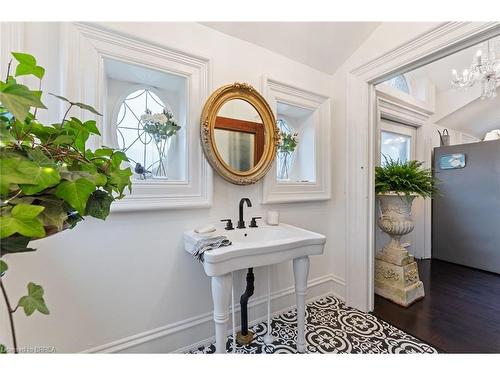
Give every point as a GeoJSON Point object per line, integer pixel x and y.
{"type": "Point", "coordinates": [254, 247]}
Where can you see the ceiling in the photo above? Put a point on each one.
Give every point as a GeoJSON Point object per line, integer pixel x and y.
{"type": "Point", "coordinates": [475, 117]}
{"type": "Point", "coordinates": [321, 45]}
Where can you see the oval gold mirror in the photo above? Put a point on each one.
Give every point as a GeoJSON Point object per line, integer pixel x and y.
{"type": "Point", "coordinates": [239, 133]}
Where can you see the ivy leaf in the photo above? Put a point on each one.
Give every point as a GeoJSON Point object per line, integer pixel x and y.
{"type": "Point", "coordinates": [91, 126]}
{"type": "Point", "coordinates": [89, 172]}
{"type": "Point", "coordinates": [79, 105]}
{"type": "Point", "coordinates": [43, 177]}
{"type": "Point", "coordinates": [118, 157]}
{"type": "Point", "coordinates": [103, 152]}
{"type": "Point", "coordinates": [96, 177]}
{"type": "Point", "coordinates": [6, 134]}
{"type": "Point", "coordinates": [42, 132]}
{"type": "Point", "coordinates": [76, 193]}
{"type": "Point", "coordinates": [9, 174]}
{"type": "Point", "coordinates": [32, 176]}
{"type": "Point", "coordinates": [24, 70]}
{"type": "Point", "coordinates": [64, 139]}
{"type": "Point", "coordinates": [24, 58]}
{"type": "Point", "coordinates": [15, 244]}
{"type": "Point", "coordinates": [22, 219]}
{"type": "Point", "coordinates": [18, 99]}
{"type": "Point", "coordinates": [81, 133]}
{"type": "Point", "coordinates": [3, 267]}
{"type": "Point", "coordinates": [98, 204]}
{"type": "Point", "coordinates": [27, 65]}
{"type": "Point", "coordinates": [54, 214]}
{"type": "Point", "coordinates": [38, 156]}
{"type": "Point", "coordinates": [34, 300]}
{"type": "Point", "coordinates": [88, 108]}
{"type": "Point", "coordinates": [119, 179]}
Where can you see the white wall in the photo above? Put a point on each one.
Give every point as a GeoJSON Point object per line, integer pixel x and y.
{"type": "Point", "coordinates": [108, 281]}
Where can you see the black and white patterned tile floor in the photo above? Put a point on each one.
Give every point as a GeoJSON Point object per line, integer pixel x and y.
{"type": "Point", "coordinates": [331, 327]}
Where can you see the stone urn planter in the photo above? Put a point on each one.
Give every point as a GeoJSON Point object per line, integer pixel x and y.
{"type": "Point", "coordinates": [396, 272]}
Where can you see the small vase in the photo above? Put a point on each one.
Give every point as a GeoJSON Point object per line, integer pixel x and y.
{"type": "Point", "coordinates": [285, 166]}
{"type": "Point", "coordinates": [161, 169]}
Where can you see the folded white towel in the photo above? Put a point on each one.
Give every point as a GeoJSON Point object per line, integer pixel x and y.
{"type": "Point", "coordinates": [206, 244]}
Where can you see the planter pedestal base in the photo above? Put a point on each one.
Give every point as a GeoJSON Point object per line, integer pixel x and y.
{"type": "Point", "coordinates": [398, 283]}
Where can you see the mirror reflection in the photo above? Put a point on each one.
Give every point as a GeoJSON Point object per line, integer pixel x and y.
{"type": "Point", "coordinates": [239, 135]}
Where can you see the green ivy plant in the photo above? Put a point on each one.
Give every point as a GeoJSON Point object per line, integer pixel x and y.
{"type": "Point", "coordinates": [49, 179]}
{"type": "Point", "coordinates": [405, 178]}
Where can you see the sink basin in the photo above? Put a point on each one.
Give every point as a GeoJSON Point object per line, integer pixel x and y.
{"type": "Point", "coordinates": [253, 247]}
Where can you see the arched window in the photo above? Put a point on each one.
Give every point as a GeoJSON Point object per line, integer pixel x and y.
{"type": "Point", "coordinates": [145, 126]}
{"type": "Point", "coordinates": [400, 83]}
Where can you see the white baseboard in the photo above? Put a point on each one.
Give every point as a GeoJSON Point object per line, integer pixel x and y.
{"type": "Point", "coordinates": [178, 337]}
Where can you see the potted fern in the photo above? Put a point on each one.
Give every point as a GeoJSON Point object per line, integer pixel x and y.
{"type": "Point", "coordinates": [397, 184]}
{"type": "Point", "coordinates": [49, 179]}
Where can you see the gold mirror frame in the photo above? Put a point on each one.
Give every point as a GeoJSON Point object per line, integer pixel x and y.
{"type": "Point", "coordinates": [212, 106]}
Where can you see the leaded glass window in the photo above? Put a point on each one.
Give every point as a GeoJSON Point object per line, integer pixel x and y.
{"type": "Point", "coordinates": [400, 83]}
{"type": "Point", "coordinates": [145, 127]}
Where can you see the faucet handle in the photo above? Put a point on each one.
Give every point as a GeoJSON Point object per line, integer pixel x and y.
{"type": "Point", "coordinates": [229, 225]}
{"type": "Point", "coordinates": [253, 222]}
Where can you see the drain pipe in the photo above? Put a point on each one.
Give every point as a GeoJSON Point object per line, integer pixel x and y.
{"type": "Point", "coordinates": [244, 337]}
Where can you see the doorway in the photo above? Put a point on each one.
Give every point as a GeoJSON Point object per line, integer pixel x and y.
{"type": "Point", "coordinates": [460, 312]}
{"type": "Point", "coordinates": [361, 123]}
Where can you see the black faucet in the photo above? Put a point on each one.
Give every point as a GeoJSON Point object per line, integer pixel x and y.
{"type": "Point", "coordinates": [241, 222]}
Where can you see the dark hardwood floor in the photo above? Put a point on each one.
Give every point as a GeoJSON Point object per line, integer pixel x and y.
{"type": "Point", "coordinates": [460, 312]}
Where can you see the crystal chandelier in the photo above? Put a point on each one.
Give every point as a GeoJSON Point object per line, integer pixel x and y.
{"type": "Point", "coordinates": [485, 69]}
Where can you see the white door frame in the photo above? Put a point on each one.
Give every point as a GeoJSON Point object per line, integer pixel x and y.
{"type": "Point", "coordinates": [361, 124]}
{"type": "Point", "coordinates": [404, 109]}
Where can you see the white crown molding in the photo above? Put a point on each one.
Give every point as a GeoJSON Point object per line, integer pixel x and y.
{"type": "Point", "coordinates": [444, 39]}
{"type": "Point", "coordinates": [334, 285]}
{"type": "Point", "coordinates": [398, 109]}
{"type": "Point", "coordinates": [275, 192]}
{"type": "Point", "coordinates": [361, 138]}
{"type": "Point", "coordinates": [85, 46]}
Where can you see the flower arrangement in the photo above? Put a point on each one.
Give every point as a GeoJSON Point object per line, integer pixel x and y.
{"type": "Point", "coordinates": [49, 180]}
{"type": "Point", "coordinates": [288, 142]}
{"type": "Point", "coordinates": [160, 126]}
